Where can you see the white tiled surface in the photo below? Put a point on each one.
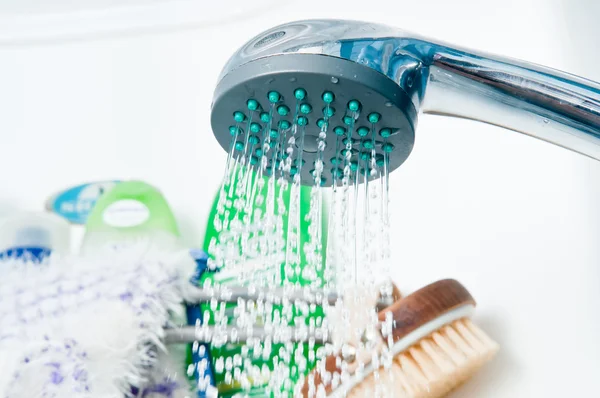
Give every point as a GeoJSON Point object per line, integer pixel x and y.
{"type": "Point", "coordinates": [515, 219]}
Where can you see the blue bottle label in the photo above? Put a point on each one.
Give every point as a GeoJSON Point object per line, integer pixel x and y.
{"type": "Point", "coordinates": [76, 203]}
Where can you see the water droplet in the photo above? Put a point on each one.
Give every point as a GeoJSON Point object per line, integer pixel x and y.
{"type": "Point", "coordinates": [388, 104]}
{"type": "Point", "coordinates": [348, 353]}
{"type": "Point", "coordinates": [220, 365]}
{"type": "Point", "coordinates": [334, 80]}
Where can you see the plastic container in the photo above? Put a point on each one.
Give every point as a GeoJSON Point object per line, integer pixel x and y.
{"type": "Point", "coordinates": [34, 234]}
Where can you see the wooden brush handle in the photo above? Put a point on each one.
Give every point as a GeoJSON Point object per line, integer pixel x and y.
{"type": "Point", "coordinates": [408, 314]}
{"type": "Point", "coordinates": [425, 305]}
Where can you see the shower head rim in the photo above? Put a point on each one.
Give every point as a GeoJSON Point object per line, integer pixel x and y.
{"type": "Point", "coordinates": [350, 79]}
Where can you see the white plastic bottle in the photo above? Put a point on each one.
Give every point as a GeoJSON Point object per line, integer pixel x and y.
{"type": "Point", "coordinates": [33, 234]}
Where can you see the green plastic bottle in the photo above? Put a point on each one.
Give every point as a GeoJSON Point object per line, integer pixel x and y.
{"type": "Point", "coordinates": [129, 211]}
{"type": "Point", "coordinates": [230, 350]}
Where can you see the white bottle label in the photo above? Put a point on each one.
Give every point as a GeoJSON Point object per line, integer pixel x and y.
{"type": "Point", "coordinates": [126, 213]}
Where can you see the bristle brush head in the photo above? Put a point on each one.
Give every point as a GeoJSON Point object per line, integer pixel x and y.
{"type": "Point", "coordinates": [362, 118]}
{"type": "Point", "coordinates": [435, 347]}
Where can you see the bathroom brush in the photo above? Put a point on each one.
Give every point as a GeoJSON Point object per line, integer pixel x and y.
{"type": "Point", "coordinates": [86, 325]}
{"type": "Point", "coordinates": [429, 348]}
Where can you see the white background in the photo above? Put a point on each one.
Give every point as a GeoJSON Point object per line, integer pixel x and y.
{"type": "Point", "coordinates": [123, 90]}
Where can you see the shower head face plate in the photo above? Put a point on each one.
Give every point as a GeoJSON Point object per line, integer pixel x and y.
{"type": "Point", "coordinates": [279, 97]}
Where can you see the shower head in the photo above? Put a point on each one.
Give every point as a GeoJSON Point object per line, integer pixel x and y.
{"type": "Point", "coordinates": [320, 82]}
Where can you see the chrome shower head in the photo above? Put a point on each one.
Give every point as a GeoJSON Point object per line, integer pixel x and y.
{"type": "Point", "coordinates": [368, 82]}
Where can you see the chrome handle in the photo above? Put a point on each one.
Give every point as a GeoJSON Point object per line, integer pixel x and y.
{"type": "Point", "coordinates": [540, 102]}
{"type": "Point", "coordinates": [443, 79]}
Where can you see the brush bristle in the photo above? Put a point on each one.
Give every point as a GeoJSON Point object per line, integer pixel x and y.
{"type": "Point", "coordinates": [434, 366]}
